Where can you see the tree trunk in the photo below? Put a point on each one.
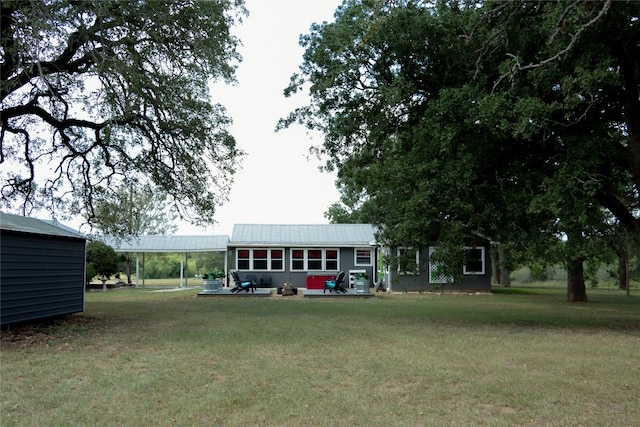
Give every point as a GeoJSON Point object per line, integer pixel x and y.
{"type": "Point", "coordinates": [629, 63]}
{"type": "Point", "coordinates": [576, 290]}
{"type": "Point", "coordinates": [623, 266]}
{"type": "Point", "coordinates": [128, 268]}
{"type": "Point", "coordinates": [504, 269]}
{"type": "Point", "coordinates": [495, 277]}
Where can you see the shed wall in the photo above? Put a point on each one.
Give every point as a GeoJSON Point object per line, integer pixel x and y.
{"type": "Point", "coordinates": [42, 276]}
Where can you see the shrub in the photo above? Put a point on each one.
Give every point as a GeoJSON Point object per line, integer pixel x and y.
{"type": "Point", "coordinates": [102, 258]}
{"type": "Point", "coordinates": [215, 274]}
{"type": "Point", "coordinates": [538, 272]}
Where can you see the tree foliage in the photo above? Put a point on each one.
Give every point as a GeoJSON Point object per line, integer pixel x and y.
{"type": "Point", "coordinates": [508, 120]}
{"type": "Point", "coordinates": [99, 94]}
{"type": "Point", "coordinates": [102, 259]}
{"type": "Point", "coordinates": [208, 261]}
{"type": "Point", "coordinates": [135, 213]}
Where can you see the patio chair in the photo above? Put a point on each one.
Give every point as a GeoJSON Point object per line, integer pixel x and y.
{"type": "Point", "coordinates": [265, 281]}
{"type": "Point", "coordinates": [335, 285]}
{"type": "Point", "coordinates": [242, 285]}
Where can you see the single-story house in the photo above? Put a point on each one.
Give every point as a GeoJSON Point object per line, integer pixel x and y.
{"type": "Point", "coordinates": [42, 269]}
{"type": "Point", "coordinates": [303, 255]}
{"type": "Point", "coordinates": [307, 255]}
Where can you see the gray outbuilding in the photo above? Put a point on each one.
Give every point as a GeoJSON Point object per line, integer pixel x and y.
{"type": "Point", "coordinates": [42, 269]}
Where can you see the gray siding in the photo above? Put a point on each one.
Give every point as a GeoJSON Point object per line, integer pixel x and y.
{"type": "Point", "coordinates": [299, 278]}
{"type": "Point", "coordinates": [42, 276]}
{"type": "Point", "coordinates": [422, 281]}
{"type": "Point", "coordinates": [289, 237]}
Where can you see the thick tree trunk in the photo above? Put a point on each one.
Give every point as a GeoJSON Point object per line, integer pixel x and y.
{"type": "Point", "coordinates": [623, 268]}
{"type": "Point", "coordinates": [504, 269]}
{"type": "Point", "coordinates": [576, 290]}
{"type": "Point", "coordinates": [495, 276]}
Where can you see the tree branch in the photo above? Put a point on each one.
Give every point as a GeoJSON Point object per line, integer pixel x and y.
{"type": "Point", "coordinates": [619, 210]}
{"type": "Point", "coordinates": [517, 67]}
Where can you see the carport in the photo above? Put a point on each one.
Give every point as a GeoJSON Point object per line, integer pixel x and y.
{"type": "Point", "coordinates": [170, 244]}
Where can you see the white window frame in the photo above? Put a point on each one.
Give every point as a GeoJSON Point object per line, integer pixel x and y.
{"type": "Point", "coordinates": [355, 257]}
{"type": "Point", "coordinates": [251, 259]}
{"type": "Point", "coordinates": [408, 273]}
{"type": "Point", "coordinates": [305, 259]}
{"type": "Point", "coordinates": [483, 260]}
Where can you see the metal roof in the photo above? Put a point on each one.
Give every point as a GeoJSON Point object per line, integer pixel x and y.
{"type": "Point", "coordinates": [303, 235]}
{"type": "Point", "coordinates": [314, 235]}
{"type": "Point", "coordinates": [25, 224]}
{"type": "Point", "coordinates": [170, 244]}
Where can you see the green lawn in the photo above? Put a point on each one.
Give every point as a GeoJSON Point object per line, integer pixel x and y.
{"type": "Point", "coordinates": [516, 357]}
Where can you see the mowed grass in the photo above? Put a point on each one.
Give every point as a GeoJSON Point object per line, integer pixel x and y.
{"type": "Point", "coordinates": [516, 357]}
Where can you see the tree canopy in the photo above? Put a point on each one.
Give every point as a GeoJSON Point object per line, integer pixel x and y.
{"type": "Point", "coordinates": [100, 94]}
{"type": "Point", "coordinates": [102, 260]}
{"type": "Point", "coordinates": [135, 213]}
{"type": "Point", "coordinates": [517, 121]}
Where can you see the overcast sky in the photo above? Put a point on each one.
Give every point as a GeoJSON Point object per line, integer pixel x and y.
{"type": "Point", "coordinates": [279, 182]}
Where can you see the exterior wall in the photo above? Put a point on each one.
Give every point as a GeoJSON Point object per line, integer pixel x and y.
{"type": "Point", "coordinates": [424, 282]}
{"type": "Point", "coordinates": [42, 276]}
{"type": "Point", "coordinates": [346, 263]}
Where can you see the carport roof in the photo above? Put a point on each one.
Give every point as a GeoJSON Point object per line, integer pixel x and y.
{"type": "Point", "coordinates": [170, 244]}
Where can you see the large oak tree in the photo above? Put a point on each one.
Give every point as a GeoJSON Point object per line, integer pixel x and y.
{"type": "Point", "coordinates": [510, 120]}
{"type": "Point", "coordinates": [97, 95]}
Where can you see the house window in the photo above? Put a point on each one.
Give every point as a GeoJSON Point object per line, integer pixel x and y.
{"type": "Point", "coordinates": [363, 256]}
{"type": "Point", "coordinates": [473, 261]}
{"type": "Point", "coordinates": [314, 259]}
{"type": "Point", "coordinates": [277, 259]}
{"type": "Point", "coordinates": [260, 259]}
{"type": "Point", "coordinates": [331, 260]}
{"type": "Point", "coordinates": [408, 261]}
{"type": "Point", "coordinates": [297, 259]}
{"type": "Point", "coordinates": [244, 259]}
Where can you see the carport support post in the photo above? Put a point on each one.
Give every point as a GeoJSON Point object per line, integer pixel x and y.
{"type": "Point", "coordinates": [181, 268]}
{"type": "Point", "coordinates": [137, 268]}
{"type": "Point", "coordinates": [186, 269]}
{"type": "Point", "coordinates": [226, 276]}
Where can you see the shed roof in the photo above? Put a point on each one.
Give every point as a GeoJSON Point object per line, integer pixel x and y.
{"type": "Point", "coordinates": [25, 224]}
{"type": "Point", "coordinates": [303, 235]}
{"type": "Point", "coordinates": [162, 243]}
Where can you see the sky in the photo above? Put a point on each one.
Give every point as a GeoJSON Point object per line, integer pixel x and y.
{"type": "Point", "coordinates": [279, 182]}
